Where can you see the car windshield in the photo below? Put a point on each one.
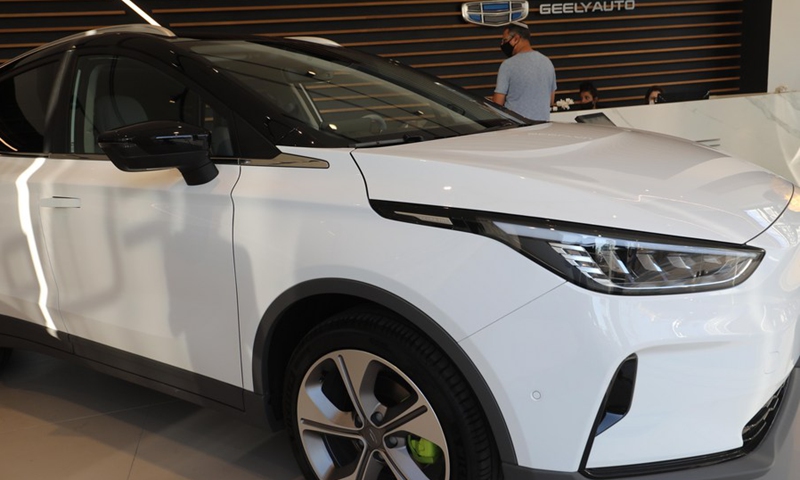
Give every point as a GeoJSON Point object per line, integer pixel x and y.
{"type": "Point", "coordinates": [366, 100]}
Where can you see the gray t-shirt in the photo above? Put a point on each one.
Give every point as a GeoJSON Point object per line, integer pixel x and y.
{"type": "Point", "coordinates": [527, 79]}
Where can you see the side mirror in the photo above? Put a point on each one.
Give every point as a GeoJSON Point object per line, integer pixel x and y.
{"type": "Point", "coordinates": [160, 145]}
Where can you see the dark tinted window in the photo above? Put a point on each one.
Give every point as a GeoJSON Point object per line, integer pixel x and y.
{"type": "Point", "coordinates": [112, 92]}
{"type": "Point", "coordinates": [24, 99]}
{"type": "Point", "coordinates": [354, 96]}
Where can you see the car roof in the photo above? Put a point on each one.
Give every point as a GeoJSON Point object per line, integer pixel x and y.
{"type": "Point", "coordinates": [66, 41]}
{"type": "Point", "coordinates": [156, 31]}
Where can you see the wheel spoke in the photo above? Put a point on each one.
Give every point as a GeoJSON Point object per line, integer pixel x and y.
{"type": "Point", "coordinates": [324, 428]}
{"type": "Point", "coordinates": [369, 468]}
{"type": "Point", "coordinates": [402, 465]}
{"type": "Point", "coordinates": [324, 464]}
{"type": "Point", "coordinates": [317, 413]}
{"type": "Point", "coordinates": [359, 373]}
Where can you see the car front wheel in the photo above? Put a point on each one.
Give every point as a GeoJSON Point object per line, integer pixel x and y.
{"type": "Point", "coordinates": [370, 398]}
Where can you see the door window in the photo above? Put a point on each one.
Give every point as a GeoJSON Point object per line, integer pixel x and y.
{"type": "Point", "coordinates": [112, 92]}
{"type": "Point", "coordinates": [24, 99]}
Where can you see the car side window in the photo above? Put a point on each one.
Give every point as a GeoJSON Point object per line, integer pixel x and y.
{"type": "Point", "coordinates": [24, 98]}
{"type": "Point", "coordinates": [110, 92]}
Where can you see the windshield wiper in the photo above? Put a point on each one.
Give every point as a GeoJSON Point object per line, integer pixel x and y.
{"type": "Point", "coordinates": [504, 125]}
{"type": "Point", "coordinates": [390, 141]}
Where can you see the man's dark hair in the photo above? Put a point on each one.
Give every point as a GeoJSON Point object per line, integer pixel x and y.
{"type": "Point", "coordinates": [520, 29]}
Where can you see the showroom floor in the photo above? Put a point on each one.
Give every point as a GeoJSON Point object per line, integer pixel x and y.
{"type": "Point", "coordinates": [59, 421]}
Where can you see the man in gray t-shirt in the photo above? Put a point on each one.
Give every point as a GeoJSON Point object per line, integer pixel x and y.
{"type": "Point", "coordinates": [526, 81]}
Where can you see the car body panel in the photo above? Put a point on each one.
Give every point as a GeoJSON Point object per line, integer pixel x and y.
{"type": "Point", "coordinates": [585, 174]}
{"type": "Point", "coordinates": [27, 288]}
{"type": "Point", "coordinates": [328, 230]}
{"type": "Point", "coordinates": [142, 262]}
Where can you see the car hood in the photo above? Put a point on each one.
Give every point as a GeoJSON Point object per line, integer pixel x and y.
{"type": "Point", "coordinates": [587, 174]}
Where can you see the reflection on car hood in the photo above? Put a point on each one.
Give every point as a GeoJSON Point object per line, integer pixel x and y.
{"type": "Point", "coordinates": [587, 174]}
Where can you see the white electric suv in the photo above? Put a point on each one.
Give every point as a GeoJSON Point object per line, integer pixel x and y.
{"type": "Point", "coordinates": [416, 283]}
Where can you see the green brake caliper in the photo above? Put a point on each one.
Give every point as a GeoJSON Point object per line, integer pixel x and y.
{"type": "Point", "coordinates": [423, 451]}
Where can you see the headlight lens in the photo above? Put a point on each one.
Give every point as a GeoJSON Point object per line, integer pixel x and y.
{"type": "Point", "coordinates": [618, 262]}
{"type": "Point", "coordinates": [601, 259]}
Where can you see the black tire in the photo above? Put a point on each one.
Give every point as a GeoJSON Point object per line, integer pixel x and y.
{"type": "Point", "coordinates": [371, 432]}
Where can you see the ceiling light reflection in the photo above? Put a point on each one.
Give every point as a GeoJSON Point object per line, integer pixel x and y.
{"type": "Point", "coordinates": [26, 222]}
{"type": "Point", "coordinates": [147, 18]}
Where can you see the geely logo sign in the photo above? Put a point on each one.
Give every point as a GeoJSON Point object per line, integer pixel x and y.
{"type": "Point", "coordinates": [494, 14]}
{"type": "Point", "coordinates": [566, 8]}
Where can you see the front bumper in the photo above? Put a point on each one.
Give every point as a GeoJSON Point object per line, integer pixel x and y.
{"type": "Point", "coordinates": [706, 364]}
{"type": "Point", "coordinates": [770, 459]}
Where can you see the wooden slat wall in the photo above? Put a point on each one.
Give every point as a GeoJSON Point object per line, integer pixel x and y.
{"type": "Point", "coordinates": [691, 47]}
{"type": "Point", "coordinates": [31, 23]}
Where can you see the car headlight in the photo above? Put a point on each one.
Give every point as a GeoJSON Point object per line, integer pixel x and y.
{"type": "Point", "coordinates": [601, 259]}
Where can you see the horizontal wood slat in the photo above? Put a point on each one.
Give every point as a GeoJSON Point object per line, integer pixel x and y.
{"type": "Point", "coordinates": [580, 55]}
{"type": "Point", "coordinates": [61, 14]}
{"type": "Point", "coordinates": [573, 44]}
{"type": "Point", "coordinates": [538, 35]}
{"type": "Point", "coordinates": [309, 6]}
{"type": "Point", "coordinates": [274, 21]}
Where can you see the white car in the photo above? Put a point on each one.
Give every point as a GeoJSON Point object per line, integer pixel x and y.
{"type": "Point", "coordinates": [416, 283]}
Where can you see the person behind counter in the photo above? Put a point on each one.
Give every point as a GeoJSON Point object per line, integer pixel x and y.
{"type": "Point", "coordinates": [654, 95]}
{"type": "Point", "coordinates": [589, 96]}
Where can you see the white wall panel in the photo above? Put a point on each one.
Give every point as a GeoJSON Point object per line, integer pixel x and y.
{"type": "Point", "coordinates": [784, 67]}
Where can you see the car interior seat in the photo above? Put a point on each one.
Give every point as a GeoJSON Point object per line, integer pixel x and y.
{"type": "Point", "coordinates": [117, 111]}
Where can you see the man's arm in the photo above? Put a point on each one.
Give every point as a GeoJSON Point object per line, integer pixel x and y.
{"type": "Point", "coordinates": [552, 98]}
{"type": "Point", "coordinates": [503, 83]}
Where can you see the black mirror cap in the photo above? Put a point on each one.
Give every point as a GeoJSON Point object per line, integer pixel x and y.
{"type": "Point", "coordinates": [160, 145]}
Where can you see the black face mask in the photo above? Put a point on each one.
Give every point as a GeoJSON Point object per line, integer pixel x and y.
{"type": "Point", "coordinates": [507, 48]}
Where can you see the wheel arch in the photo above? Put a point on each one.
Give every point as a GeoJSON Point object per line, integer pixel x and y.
{"type": "Point", "coordinates": [303, 306]}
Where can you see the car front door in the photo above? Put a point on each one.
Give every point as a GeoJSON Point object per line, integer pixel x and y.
{"type": "Point", "coordinates": [143, 262]}
{"type": "Point", "coordinates": [27, 289]}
